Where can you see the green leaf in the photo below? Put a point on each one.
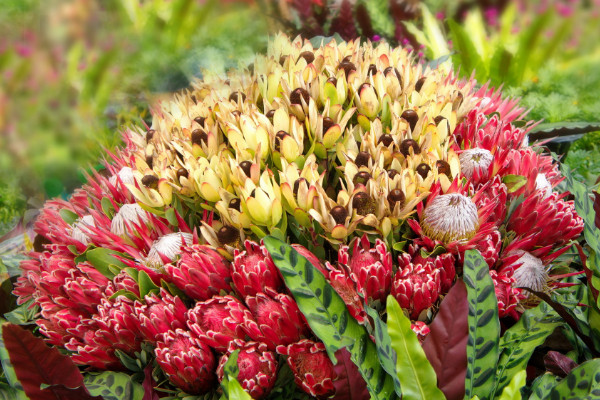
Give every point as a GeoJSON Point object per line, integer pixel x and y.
{"type": "Point", "coordinates": [582, 382]}
{"type": "Point", "coordinates": [414, 370]}
{"type": "Point", "coordinates": [550, 130]}
{"type": "Point", "coordinates": [171, 217]}
{"type": "Point", "coordinates": [466, 53]}
{"type": "Point", "coordinates": [24, 314]}
{"type": "Point", "coordinates": [542, 386]}
{"type": "Point", "coordinates": [379, 13]}
{"type": "Point", "coordinates": [484, 327]}
{"type": "Point", "coordinates": [113, 386]}
{"type": "Point", "coordinates": [328, 316]}
{"type": "Point", "coordinates": [513, 390]}
{"type": "Point", "coordinates": [102, 258]}
{"type": "Point", "coordinates": [107, 207]}
{"type": "Point", "coordinates": [387, 357]}
{"type": "Point", "coordinates": [232, 389]}
{"type": "Point", "coordinates": [146, 284]}
{"type": "Point", "coordinates": [68, 216]}
{"type": "Point", "coordinates": [514, 182]}
{"type": "Point", "coordinates": [520, 340]}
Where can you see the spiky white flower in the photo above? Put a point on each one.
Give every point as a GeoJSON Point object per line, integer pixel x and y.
{"type": "Point", "coordinates": [475, 159]}
{"type": "Point", "coordinates": [127, 214]}
{"type": "Point", "coordinates": [542, 183]}
{"type": "Point", "coordinates": [531, 273]}
{"type": "Point", "coordinates": [126, 176]}
{"type": "Point", "coordinates": [169, 246]}
{"type": "Point", "coordinates": [80, 231]}
{"type": "Point", "coordinates": [450, 217]}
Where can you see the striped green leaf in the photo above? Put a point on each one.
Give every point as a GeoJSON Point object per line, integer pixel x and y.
{"type": "Point", "coordinates": [542, 386]}
{"type": "Point", "coordinates": [484, 327]}
{"type": "Point", "coordinates": [328, 316]}
{"type": "Point", "coordinates": [113, 386]}
{"type": "Point", "coordinates": [582, 383]}
{"type": "Point", "coordinates": [519, 342]}
{"type": "Point", "coordinates": [414, 370]}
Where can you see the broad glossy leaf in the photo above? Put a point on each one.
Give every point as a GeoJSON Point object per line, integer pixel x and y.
{"type": "Point", "coordinates": [414, 370]}
{"type": "Point", "coordinates": [484, 327]}
{"type": "Point", "coordinates": [446, 344]}
{"type": "Point", "coordinates": [101, 258]}
{"type": "Point", "coordinates": [232, 389]}
{"type": "Point", "coordinates": [513, 390]}
{"type": "Point", "coordinates": [520, 340]}
{"type": "Point", "coordinates": [349, 384]}
{"type": "Point", "coordinates": [7, 368]}
{"type": "Point", "coordinates": [558, 363]}
{"type": "Point", "coordinates": [582, 382]}
{"type": "Point", "coordinates": [36, 364]}
{"type": "Point", "coordinates": [68, 216]}
{"type": "Point", "coordinates": [113, 386]}
{"type": "Point", "coordinates": [542, 386]}
{"type": "Point", "coordinates": [328, 316]}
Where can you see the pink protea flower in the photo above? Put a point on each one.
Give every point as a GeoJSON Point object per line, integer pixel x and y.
{"type": "Point", "coordinates": [312, 368]}
{"type": "Point", "coordinates": [417, 288]}
{"type": "Point", "coordinates": [345, 286]}
{"type": "Point", "coordinates": [188, 362]}
{"type": "Point", "coordinates": [508, 296]}
{"type": "Point", "coordinates": [444, 263]}
{"type": "Point", "coordinates": [489, 247]}
{"type": "Point", "coordinates": [160, 314]}
{"type": "Point", "coordinates": [253, 271]}
{"type": "Point", "coordinates": [201, 272]}
{"type": "Point", "coordinates": [257, 366]}
{"type": "Point", "coordinates": [371, 268]}
{"type": "Point", "coordinates": [219, 320]}
{"type": "Point", "coordinates": [275, 320]}
{"type": "Point", "coordinates": [421, 329]}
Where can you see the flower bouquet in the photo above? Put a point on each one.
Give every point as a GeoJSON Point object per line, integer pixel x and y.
{"type": "Point", "coordinates": [336, 222]}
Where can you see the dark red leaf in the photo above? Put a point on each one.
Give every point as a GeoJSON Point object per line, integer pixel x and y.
{"type": "Point", "coordinates": [446, 344]}
{"type": "Point", "coordinates": [35, 364]}
{"type": "Point", "coordinates": [364, 21]}
{"type": "Point", "coordinates": [558, 363]}
{"type": "Point", "coordinates": [148, 384]}
{"type": "Point", "coordinates": [344, 23]}
{"type": "Point", "coordinates": [597, 207]}
{"type": "Point", "coordinates": [349, 384]}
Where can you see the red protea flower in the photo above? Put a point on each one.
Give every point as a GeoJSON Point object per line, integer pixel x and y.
{"type": "Point", "coordinates": [444, 263]}
{"type": "Point", "coordinates": [343, 284]}
{"type": "Point", "coordinates": [490, 246]}
{"type": "Point", "coordinates": [160, 314]}
{"type": "Point", "coordinates": [421, 329]}
{"type": "Point", "coordinates": [275, 320]}
{"type": "Point", "coordinates": [371, 268]}
{"type": "Point", "coordinates": [417, 288]}
{"type": "Point", "coordinates": [310, 257]}
{"type": "Point", "coordinates": [257, 366]}
{"type": "Point", "coordinates": [253, 271]}
{"type": "Point", "coordinates": [312, 368]}
{"type": "Point", "coordinates": [508, 296]}
{"type": "Point", "coordinates": [188, 362]}
{"type": "Point", "coordinates": [219, 320]}
{"type": "Point", "coordinates": [201, 272]}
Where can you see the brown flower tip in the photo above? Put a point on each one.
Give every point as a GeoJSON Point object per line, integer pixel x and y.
{"type": "Point", "coordinates": [438, 119]}
{"type": "Point", "coordinates": [150, 160]}
{"type": "Point", "coordinates": [297, 185]}
{"type": "Point", "coordinates": [411, 117]}
{"type": "Point", "coordinates": [372, 70]}
{"type": "Point", "coordinates": [182, 172]}
{"type": "Point", "coordinates": [200, 120]}
{"type": "Point", "coordinates": [396, 196]}
{"type": "Point", "coordinates": [246, 166]}
{"type": "Point", "coordinates": [420, 83]}
{"type": "Point", "coordinates": [297, 94]}
{"type": "Point", "coordinates": [270, 114]}
{"type": "Point", "coordinates": [279, 138]}
{"type": "Point", "coordinates": [149, 135]}
{"type": "Point", "coordinates": [362, 203]}
{"type": "Point", "coordinates": [386, 139]}
{"type": "Point", "coordinates": [347, 66]}
{"type": "Point", "coordinates": [236, 96]}
{"type": "Point", "coordinates": [199, 136]}
{"type": "Point", "coordinates": [407, 144]}
{"type": "Point", "coordinates": [443, 167]}
{"type": "Point", "coordinates": [389, 70]}
{"type": "Point", "coordinates": [392, 173]}
{"type": "Point", "coordinates": [327, 123]}
{"type": "Point", "coordinates": [308, 56]}
{"type": "Point", "coordinates": [235, 204]}
{"type": "Point", "coordinates": [150, 181]}
{"type": "Point", "coordinates": [228, 235]}
{"type": "Point", "coordinates": [339, 214]}
{"type": "Point", "coordinates": [362, 178]}
{"type": "Point", "coordinates": [332, 80]}
{"type": "Point", "coordinates": [423, 170]}
{"type": "Point", "coordinates": [362, 159]}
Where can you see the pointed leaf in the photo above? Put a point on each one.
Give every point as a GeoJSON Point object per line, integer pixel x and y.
{"type": "Point", "coordinates": [558, 363]}
{"type": "Point", "coordinates": [37, 364]}
{"type": "Point", "coordinates": [542, 386]}
{"type": "Point", "coordinates": [68, 216]}
{"type": "Point", "coordinates": [349, 385]}
{"type": "Point", "coordinates": [113, 386]}
{"type": "Point", "coordinates": [148, 384]}
{"type": "Point", "coordinates": [513, 390]}
{"type": "Point", "coordinates": [446, 344]}
{"type": "Point", "coordinates": [102, 258]}
{"type": "Point", "coordinates": [414, 370]}
{"type": "Point", "coordinates": [328, 316]}
{"type": "Point", "coordinates": [484, 327]}
{"type": "Point", "coordinates": [582, 382]}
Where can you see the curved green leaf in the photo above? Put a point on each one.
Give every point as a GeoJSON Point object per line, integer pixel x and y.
{"type": "Point", "coordinates": [542, 386]}
{"type": "Point", "coordinates": [519, 342]}
{"type": "Point", "coordinates": [232, 390]}
{"type": "Point", "coordinates": [102, 258]}
{"type": "Point", "coordinates": [328, 316]}
{"type": "Point", "coordinates": [582, 382]}
{"type": "Point", "coordinates": [414, 370]}
{"type": "Point", "coordinates": [113, 386]}
{"type": "Point", "coordinates": [513, 390]}
{"type": "Point", "coordinates": [484, 327]}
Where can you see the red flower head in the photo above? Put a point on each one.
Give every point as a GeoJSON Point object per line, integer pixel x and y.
{"type": "Point", "coordinates": [371, 268]}
{"type": "Point", "coordinates": [345, 286]}
{"type": "Point", "coordinates": [219, 320]}
{"type": "Point", "coordinates": [160, 314]}
{"type": "Point", "coordinates": [444, 263]}
{"type": "Point", "coordinates": [508, 296]}
{"type": "Point", "coordinates": [276, 321]}
{"type": "Point", "coordinates": [417, 288]}
{"type": "Point", "coordinates": [187, 361]}
{"type": "Point", "coordinates": [257, 366]}
{"type": "Point", "coordinates": [312, 368]}
{"type": "Point", "coordinates": [421, 329]}
{"type": "Point", "coordinates": [253, 271]}
{"type": "Point", "coordinates": [201, 272]}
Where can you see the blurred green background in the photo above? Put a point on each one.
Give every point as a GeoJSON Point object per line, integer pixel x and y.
{"type": "Point", "coordinates": [73, 73]}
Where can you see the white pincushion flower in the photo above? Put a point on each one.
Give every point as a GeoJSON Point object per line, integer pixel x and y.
{"type": "Point", "coordinates": [531, 273]}
{"type": "Point", "coordinates": [80, 232]}
{"type": "Point", "coordinates": [475, 159]}
{"type": "Point", "coordinates": [542, 183]}
{"type": "Point", "coordinates": [169, 246]}
{"type": "Point", "coordinates": [126, 176]}
{"type": "Point", "coordinates": [450, 217]}
{"type": "Point", "coordinates": [128, 213]}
